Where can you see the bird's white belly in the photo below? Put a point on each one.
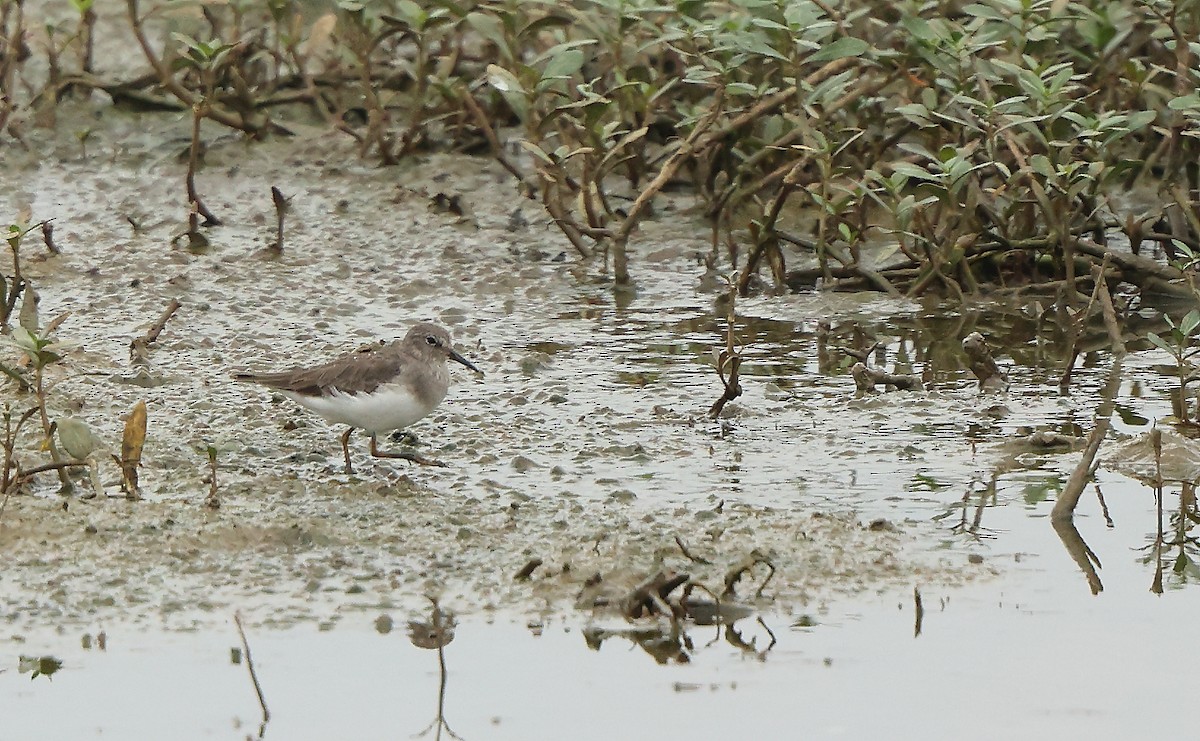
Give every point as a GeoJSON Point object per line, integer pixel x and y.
{"type": "Point", "coordinates": [390, 407]}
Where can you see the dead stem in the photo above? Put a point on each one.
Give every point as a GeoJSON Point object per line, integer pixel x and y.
{"type": "Point", "coordinates": [526, 571]}
{"type": "Point", "coordinates": [139, 349]}
{"type": "Point", "coordinates": [197, 205]}
{"type": "Point", "coordinates": [729, 361]}
{"type": "Point", "coordinates": [1064, 507]}
{"type": "Point", "coordinates": [282, 206]}
{"type": "Point", "coordinates": [688, 555]}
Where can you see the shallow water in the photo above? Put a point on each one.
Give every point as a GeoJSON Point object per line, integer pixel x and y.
{"type": "Point", "coordinates": [1031, 654]}
{"type": "Point", "coordinates": [586, 445]}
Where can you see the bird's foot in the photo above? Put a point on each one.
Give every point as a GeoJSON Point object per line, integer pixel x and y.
{"type": "Point", "coordinates": [411, 456]}
{"type": "Point", "coordinates": [404, 437]}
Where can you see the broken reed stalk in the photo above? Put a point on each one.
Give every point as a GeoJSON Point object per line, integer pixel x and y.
{"type": "Point", "coordinates": [1064, 507]}
{"type": "Point", "coordinates": [213, 501]}
{"type": "Point", "coordinates": [262, 703]}
{"type": "Point", "coordinates": [281, 208]}
{"type": "Point", "coordinates": [729, 361]}
{"type": "Point", "coordinates": [139, 348]}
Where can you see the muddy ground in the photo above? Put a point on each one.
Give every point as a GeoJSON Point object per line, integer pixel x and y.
{"type": "Point", "coordinates": [586, 444]}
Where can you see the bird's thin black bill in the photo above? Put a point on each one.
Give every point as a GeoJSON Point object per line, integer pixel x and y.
{"type": "Point", "coordinates": [454, 355]}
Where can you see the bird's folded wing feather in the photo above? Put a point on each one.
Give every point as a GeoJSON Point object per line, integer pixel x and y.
{"type": "Point", "coordinates": [362, 371]}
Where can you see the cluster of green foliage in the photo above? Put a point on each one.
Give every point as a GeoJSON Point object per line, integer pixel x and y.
{"type": "Point", "coordinates": [983, 140]}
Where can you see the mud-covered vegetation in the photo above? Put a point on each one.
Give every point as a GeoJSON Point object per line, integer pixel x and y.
{"type": "Point", "coordinates": [989, 144]}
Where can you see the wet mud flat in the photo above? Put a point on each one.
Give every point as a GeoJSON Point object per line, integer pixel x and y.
{"type": "Point", "coordinates": [586, 445]}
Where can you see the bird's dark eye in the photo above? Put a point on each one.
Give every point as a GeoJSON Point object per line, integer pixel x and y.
{"type": "Point", "coordinates": [430, 339]}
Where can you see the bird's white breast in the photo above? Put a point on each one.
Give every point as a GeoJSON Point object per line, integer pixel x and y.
{"type": "Point", "coordinates": [389, 407]}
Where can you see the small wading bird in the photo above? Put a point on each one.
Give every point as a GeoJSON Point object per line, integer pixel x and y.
{"type": "Point", "coordinates": [379, 388]}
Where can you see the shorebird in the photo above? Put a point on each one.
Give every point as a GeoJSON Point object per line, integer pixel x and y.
{"type": "Point", "coordinates": [378, 388]}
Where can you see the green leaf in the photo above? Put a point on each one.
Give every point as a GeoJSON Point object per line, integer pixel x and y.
{"type": "Point", "coordinates": [1159, 343]}
{"type": "Point", "coordinates": [1189, 322]}
{"type": "Point", "coordinates": [915, 171]}
{"type": "Point", "coordinates": [840, 49]}
{"type": "Point", "coordinates": [1042, 166]}
{"type": "Point", "coordinates": [564, 64]}
{"type": "Point", "coordinates": [1184, 102]}
{"type": "Point", "coordinates": [490, 28]}
{"type": "Point", "coordinates": [503, 80]}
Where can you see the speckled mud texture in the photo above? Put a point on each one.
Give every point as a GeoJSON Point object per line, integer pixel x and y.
{"type": "Point", "coordinates": [586, 445]}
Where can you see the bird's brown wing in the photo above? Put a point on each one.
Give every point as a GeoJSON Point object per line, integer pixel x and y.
{"type": "Point", "coordinates": [361, 371]}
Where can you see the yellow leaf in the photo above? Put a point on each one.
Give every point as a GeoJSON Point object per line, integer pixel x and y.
{"type": "Point", "coordinates": [131, 447]}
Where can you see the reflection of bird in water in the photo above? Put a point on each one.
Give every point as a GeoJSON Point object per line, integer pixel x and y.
{"type": "Point", "coordinates": [436, 633]}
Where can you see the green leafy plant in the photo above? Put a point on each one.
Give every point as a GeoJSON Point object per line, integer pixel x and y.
{"type": "Point", "coordinates": [1182, 343]}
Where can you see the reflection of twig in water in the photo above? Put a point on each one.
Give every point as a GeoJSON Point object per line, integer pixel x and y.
{"type": "Point", "coordinates": [262, 703]}
{"type": "Point", "coordinates": [1108, 520]}
{"type": "Point", "coordinates": [918, 611]}
{"type": "Point", "coordinates": [734, 638]}
{"type": "Point", "coordinates": [1181, 523]}
{"type": "Point", "coordinates": [975, 528]}
{"type": "Point", "coordinates": [1156, 585]}
{"type": "Point", "coordinates": [1079, 551]}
